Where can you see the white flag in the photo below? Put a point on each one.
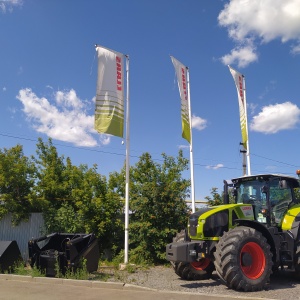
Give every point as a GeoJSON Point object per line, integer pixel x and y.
{"type": "Point", "coordinates": [181, 72]}
{"type": "Point", "coordinates": [239, 83]}
{"type": "Point", "coordinates": [109, 111]}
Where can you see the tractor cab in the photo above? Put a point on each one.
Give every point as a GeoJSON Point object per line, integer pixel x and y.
{"type": "Point", "coordinates": [270, 195]}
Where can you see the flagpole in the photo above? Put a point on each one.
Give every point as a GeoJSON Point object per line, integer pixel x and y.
{"type": "Point", "coordinates": [248, 150]}
{"type": "Point", "coordinates": [127, 166]}
{"type": "Point", "coordinates": [191, 143]}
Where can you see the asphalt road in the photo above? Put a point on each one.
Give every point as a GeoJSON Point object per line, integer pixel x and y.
{"type": "Point", "coordinates": [15, 287]}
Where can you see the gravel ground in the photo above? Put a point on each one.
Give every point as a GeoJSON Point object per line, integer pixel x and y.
{"type": "Point", "coordinates": [282, 286]}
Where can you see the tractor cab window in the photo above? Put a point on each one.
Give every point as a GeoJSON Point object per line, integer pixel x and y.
{"type": "Point", "coordinates": [280, 198]}
{"type": "Point", "coordinates": [250, 192]}
{"type": "Point", "coordinates": [254, 192]}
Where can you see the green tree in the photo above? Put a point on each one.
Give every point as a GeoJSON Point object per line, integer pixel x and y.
{"type": "Point", "coordinates": [99, 209]}
{"type": "Point", "coordinates": [157, 204]}
{"type": "Point", "coordinates": [50, 188]}
{"type": "Point", "coordinates": [216, 198]}
{"type": "Point", "coordinates": [17, 177]}
{"type": "Point", "coordinates": [76, 198]}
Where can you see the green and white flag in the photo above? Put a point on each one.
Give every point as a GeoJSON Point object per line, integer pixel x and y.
{"type": "Point", "coordinates": [181, 73]}
{"type": "Point", "coordinates": [239, 83]}
{"type": "Point", "coordinates": [109, 110]}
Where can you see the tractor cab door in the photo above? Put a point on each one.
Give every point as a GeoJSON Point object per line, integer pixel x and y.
{"type": "Point", "coordinates": [281, 196]}
{"type": "Point", "coordinates": [250, 192]}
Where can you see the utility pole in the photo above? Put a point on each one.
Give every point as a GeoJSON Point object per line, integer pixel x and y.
{"type": "Point", "coordinates": [244, 151]}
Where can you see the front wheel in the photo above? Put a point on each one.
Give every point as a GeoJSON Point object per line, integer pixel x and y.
{"type": "Point", "coordinates": [198, 270]}
{"type": "Point", "coordinates": [243, 259]}
{"type": "Point", "coordinates": [202, 268]}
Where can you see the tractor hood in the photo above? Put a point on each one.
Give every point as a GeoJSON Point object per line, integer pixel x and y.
{"type": "Point", "coordinates": [210, 222]}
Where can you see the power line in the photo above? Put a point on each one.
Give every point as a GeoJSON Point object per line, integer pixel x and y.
{"type": "Point", "coordinates": [68, 146]}
{"type": "Point", "coordinates": [135, 156]}
{"type": "Point", "coordinates": [275, 160]}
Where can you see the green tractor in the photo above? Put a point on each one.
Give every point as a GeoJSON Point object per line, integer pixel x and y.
{"type": "Point", "coordinates": [245, 241]}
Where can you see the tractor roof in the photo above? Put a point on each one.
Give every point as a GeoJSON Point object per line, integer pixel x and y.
{"type": "Point", "coordinates": [291, 179]}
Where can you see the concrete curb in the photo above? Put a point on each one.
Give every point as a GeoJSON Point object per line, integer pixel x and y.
{"type": "Point", "coordinates": [73, 282]}
{"type": "Point", "coordinates": [16, 277]}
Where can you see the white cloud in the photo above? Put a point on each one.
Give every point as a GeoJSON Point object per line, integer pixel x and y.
{"type": "Point", "coordinates": [68, 100]}
{"type": "Point", "coordinates": [241, 56]}
{"type": "Point", "coordinates": [184, 147]}
{"type": "Point", "coordinates": [198, 123]}
{"type": "Point", "coordinates": [260, 21]}
{"type": "Point", "coordinates": [274, 118]}
{"type": "Point", "coordinates": [251, 107]}
{"type": "Point", "coordinates": [4, 89]}
{"type": "Point", "coordinates": [8, 5]}
{"type": "Point", "coordinates": [270, 87]}
{"type": "Point", "coordinates": [104, 139]}
{"type": "Point", "coordinates": [67, 121]}
{"type": "Point", "coordinates": [216, 167]}
{"type": "Point", "coordinates": [296, 49]}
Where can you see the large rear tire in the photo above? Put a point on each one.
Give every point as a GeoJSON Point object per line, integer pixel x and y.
{"type": "Point", "coordinates": [297, 260]}
{"type": "Point", "coordinates": [243, 259]}
{"type": "Point", "coordinates": [199, 270]}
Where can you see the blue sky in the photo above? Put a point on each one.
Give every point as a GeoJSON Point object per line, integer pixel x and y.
{"type": "Point", "coordinates": [48, 79]}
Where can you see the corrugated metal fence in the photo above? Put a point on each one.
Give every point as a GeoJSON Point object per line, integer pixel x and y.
{"type": "Point", "coordinates": [22, 233]}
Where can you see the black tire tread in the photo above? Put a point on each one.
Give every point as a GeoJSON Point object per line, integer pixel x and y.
{"type": "Point", "coordinates": [227, 259]}
{"type": "Point", "coordinates": [185, 270]}
{"type": "Point", "coordinates": [297, 260]}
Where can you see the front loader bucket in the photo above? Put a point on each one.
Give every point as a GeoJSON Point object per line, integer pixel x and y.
{"type": "Point", "coordinates": [60, 252]}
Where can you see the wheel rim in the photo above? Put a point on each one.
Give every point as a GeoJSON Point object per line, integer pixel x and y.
{"type": "Point", "coordinates": [201, 265]}
{"type": "Point", "coordinates": [256, 260]}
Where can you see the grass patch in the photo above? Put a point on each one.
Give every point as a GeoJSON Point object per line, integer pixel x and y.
{"type": "Point", "coordinates": [107, 272]}
{"type": "Point", "coordinates": [26, 270]}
